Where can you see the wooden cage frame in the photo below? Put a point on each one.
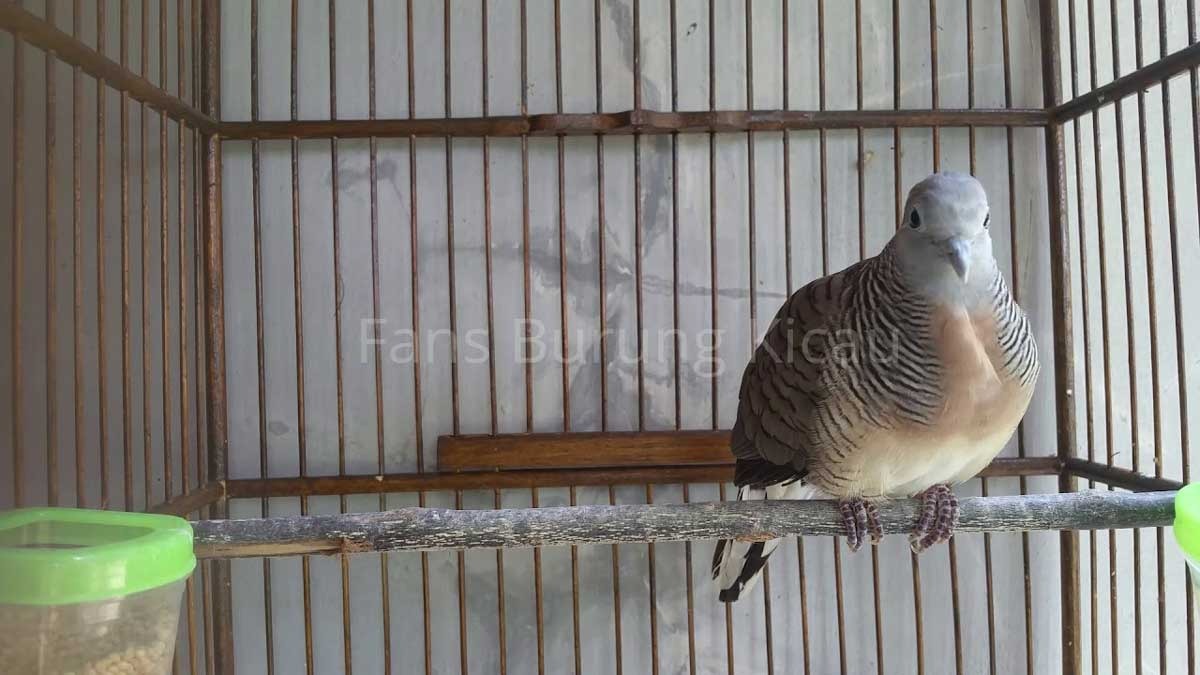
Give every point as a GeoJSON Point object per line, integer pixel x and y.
{"type": "Point", "coordinates": [541, 460]}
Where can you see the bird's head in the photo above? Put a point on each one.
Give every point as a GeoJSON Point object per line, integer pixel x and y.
{"type": "Point", "coordinates": [943, 244]}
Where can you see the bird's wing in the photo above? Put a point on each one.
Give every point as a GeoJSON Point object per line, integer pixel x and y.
{"type": "Point", "coordinates": [782, 385]}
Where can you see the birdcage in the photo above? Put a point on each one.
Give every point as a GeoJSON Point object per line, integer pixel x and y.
{"type": "Point", "coordinates": [491, 269]}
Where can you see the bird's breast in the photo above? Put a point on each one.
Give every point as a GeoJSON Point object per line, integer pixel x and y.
{"type": "Point", "coordinates": [966, 347]}
{"type": "Point", "coordinates": [981, 407]}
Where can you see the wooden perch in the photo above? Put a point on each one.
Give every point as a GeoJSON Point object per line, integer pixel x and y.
{"type": "Point", "coordinates": [429, 529]}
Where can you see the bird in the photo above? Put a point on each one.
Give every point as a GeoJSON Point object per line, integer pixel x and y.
{"type": "Point", "coordinates": [897, 377]}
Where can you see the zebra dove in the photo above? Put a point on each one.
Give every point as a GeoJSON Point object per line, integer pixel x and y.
{"type": "Point", "coordinates": [898, 376]}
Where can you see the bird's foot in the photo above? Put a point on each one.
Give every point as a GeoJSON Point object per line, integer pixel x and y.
{"type": "Point", "coordinates": [939, 517]}
{"type": "Point", "coordinates": [860, 519]}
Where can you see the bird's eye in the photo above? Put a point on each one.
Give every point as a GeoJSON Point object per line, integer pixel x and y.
{"type": "Point", "coordinates": [987, 220]}
{"type": "Point", "coordinates": [914, 219]}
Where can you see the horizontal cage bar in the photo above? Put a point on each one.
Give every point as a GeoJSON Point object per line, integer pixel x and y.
{"type": "Point", "coordinates": [638, 121]}
{"type": "Point", "coordinates": [1143, 78]}
{"type": "Point", "coordinates": [45, 36]}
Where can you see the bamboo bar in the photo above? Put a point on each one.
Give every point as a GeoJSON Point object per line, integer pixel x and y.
{"type": "Point", "coordinates": [1143, 78]}
{"type": "Point", "coordinates": [639, 121]}
{"type": "Point", "coordinates": [429, 529]}
{"type": "Point", "coordinates": [1064, 340]}
{"type": "Point", "coordinates": [45, 36]}
{"type": "Point", "coordinates": [220, 580]}
{"type": "Point", "coordinates": [1118, 477]}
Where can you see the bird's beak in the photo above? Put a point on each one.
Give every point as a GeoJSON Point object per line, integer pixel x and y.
{"type": "Point", "coordinates": [958, 253]}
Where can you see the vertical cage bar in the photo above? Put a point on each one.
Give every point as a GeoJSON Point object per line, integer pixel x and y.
{"type": "Point", "coordinates": [918, 601]}
{"type": "Point", "coordinates": [381, 440]}
{"type": "Point", "coordinates": [638, 225]}
{"type": "Point", "coordinates": [1152, 299]}
{"type": "Point", "coordinates": [219, 585]}
{"type": "Point", "coordinates": [51, 286]}
{"type": "Point", "coordinates": [414, 286]}
{"type": "Point", "coordinates": [76, 258]}
{"type": "Point", "coordinates": [806, 657]}
{"type": "Point", "coordinates": [787, 152]}
{"type": "Point", "coordinates": [752, 278]}
{"type": "Point", "coordinates": [259, 326]}
{"type": "Point", "coordinates": [952, 545]}
{"type": "Point", "coordinates": [164, 257]}
{"type": "Point", "coordinates": [101, 153]}
{"type": "Point", "coordinates": [983, 482]}
{"type": "Point", "coordinates": [787, 228]}
{"type": "Point", "coordinates": [562, 227]}
{"type": "Point", "coordinates": [190, 591]}
{"type": "Point", "coordinates": [824, 171]}
{"type": "Point", "coordinates": [527, 265]}
{"type": "Point", "coordinates": [600, 221]}
{"type": "Point", "coordinates": [1016, 291]}
{"type": "Point", "coordinates": [575, 624]}
{"type": "Point", "coordinates": [207, 615]}
{"type": "Point", "coordinates": [298, 300]}
{"type": "Point", "coordinates": [1194, 77]}
{"type": "Point", "coordinates": [1064, 349]}
{"type": "Point", "coordinates": [451, 294]}
{"type": "Point", "coordinates": [563, 304]}
{"type": "Point", "coordinates": [502, 628]}
{"type": "Point", "coordinates": [185, 438]}
{"type": "Point", "coordinates": [1180, 356]}
{"type": "Point", "coordinates": [452, 297]}
{"type": "Point", "coordinates": [487, 229]}
{"type": "Point", "coordinates": [675, 318]}
{"type": "Point", "coordinates": [1106, 362]}
{"type": "Point", "coordinates": [933, 80]}
{"type": "Point", "coordinates": [728, 608]}
{"type": "Point", "coordinates": [144, 263]}
{"type": "Point", "coordinates": [525, 236]}
{"type": "Point", "coordinates": [639, 301]}
{"type": "Point", "coordinates": [338, 290]}
{"type": "Point", "coordinates": [712, 224]}
{"type": "Point", "coordinates": [935, 100]}
{"type": "Point", "coordinates": [862, 253]}
{"type": "Point", "coordinates": [17, 265]}
{"type": "Point", "coordinates": [538, 596]}
{"type": "Point", "coordinates": [126, 382]}
{"type": "Point", "coordinates": [652, 587]}
{"type": "Point", "coordinates": [752, 287]}
{"type": "Point", "coordinates": [462, 593]}
{"type": "Point", "coordinates": [1130, 333]}
{"type": "Point", "coordinates": [201, 424]}
{"type": "Point", "coordinates": [1093, 582]}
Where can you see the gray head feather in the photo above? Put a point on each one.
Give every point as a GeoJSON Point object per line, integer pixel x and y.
{"type": "Point", "coordinates": [943, 245]}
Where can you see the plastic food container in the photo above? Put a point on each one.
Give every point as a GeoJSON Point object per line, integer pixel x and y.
{"type": "Point", "coordinates": [1187, 528]}
{"type": "Point", "coordinates": [90, 592]}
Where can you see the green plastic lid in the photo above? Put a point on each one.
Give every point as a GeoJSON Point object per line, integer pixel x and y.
{"type": "Point", "coordinates": [1187, 521]}
{"type": "Point", "coordinates": [57, 556]}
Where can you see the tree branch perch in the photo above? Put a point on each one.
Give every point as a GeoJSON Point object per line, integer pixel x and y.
{"type": "Point", "coordinates": [429, 529]}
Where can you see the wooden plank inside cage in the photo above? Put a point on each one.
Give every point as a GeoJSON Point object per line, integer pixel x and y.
{"type": "Point", "coordinates": [509, 452]}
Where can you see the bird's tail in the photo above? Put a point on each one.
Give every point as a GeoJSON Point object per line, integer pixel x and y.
{"type": "Point", "coordinates": [737, 565]}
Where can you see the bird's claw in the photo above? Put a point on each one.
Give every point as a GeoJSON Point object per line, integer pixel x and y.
{"type": "Point", "coordinates": [860, 519]}
{"type": "Point", "coordinates": [939, 517]}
